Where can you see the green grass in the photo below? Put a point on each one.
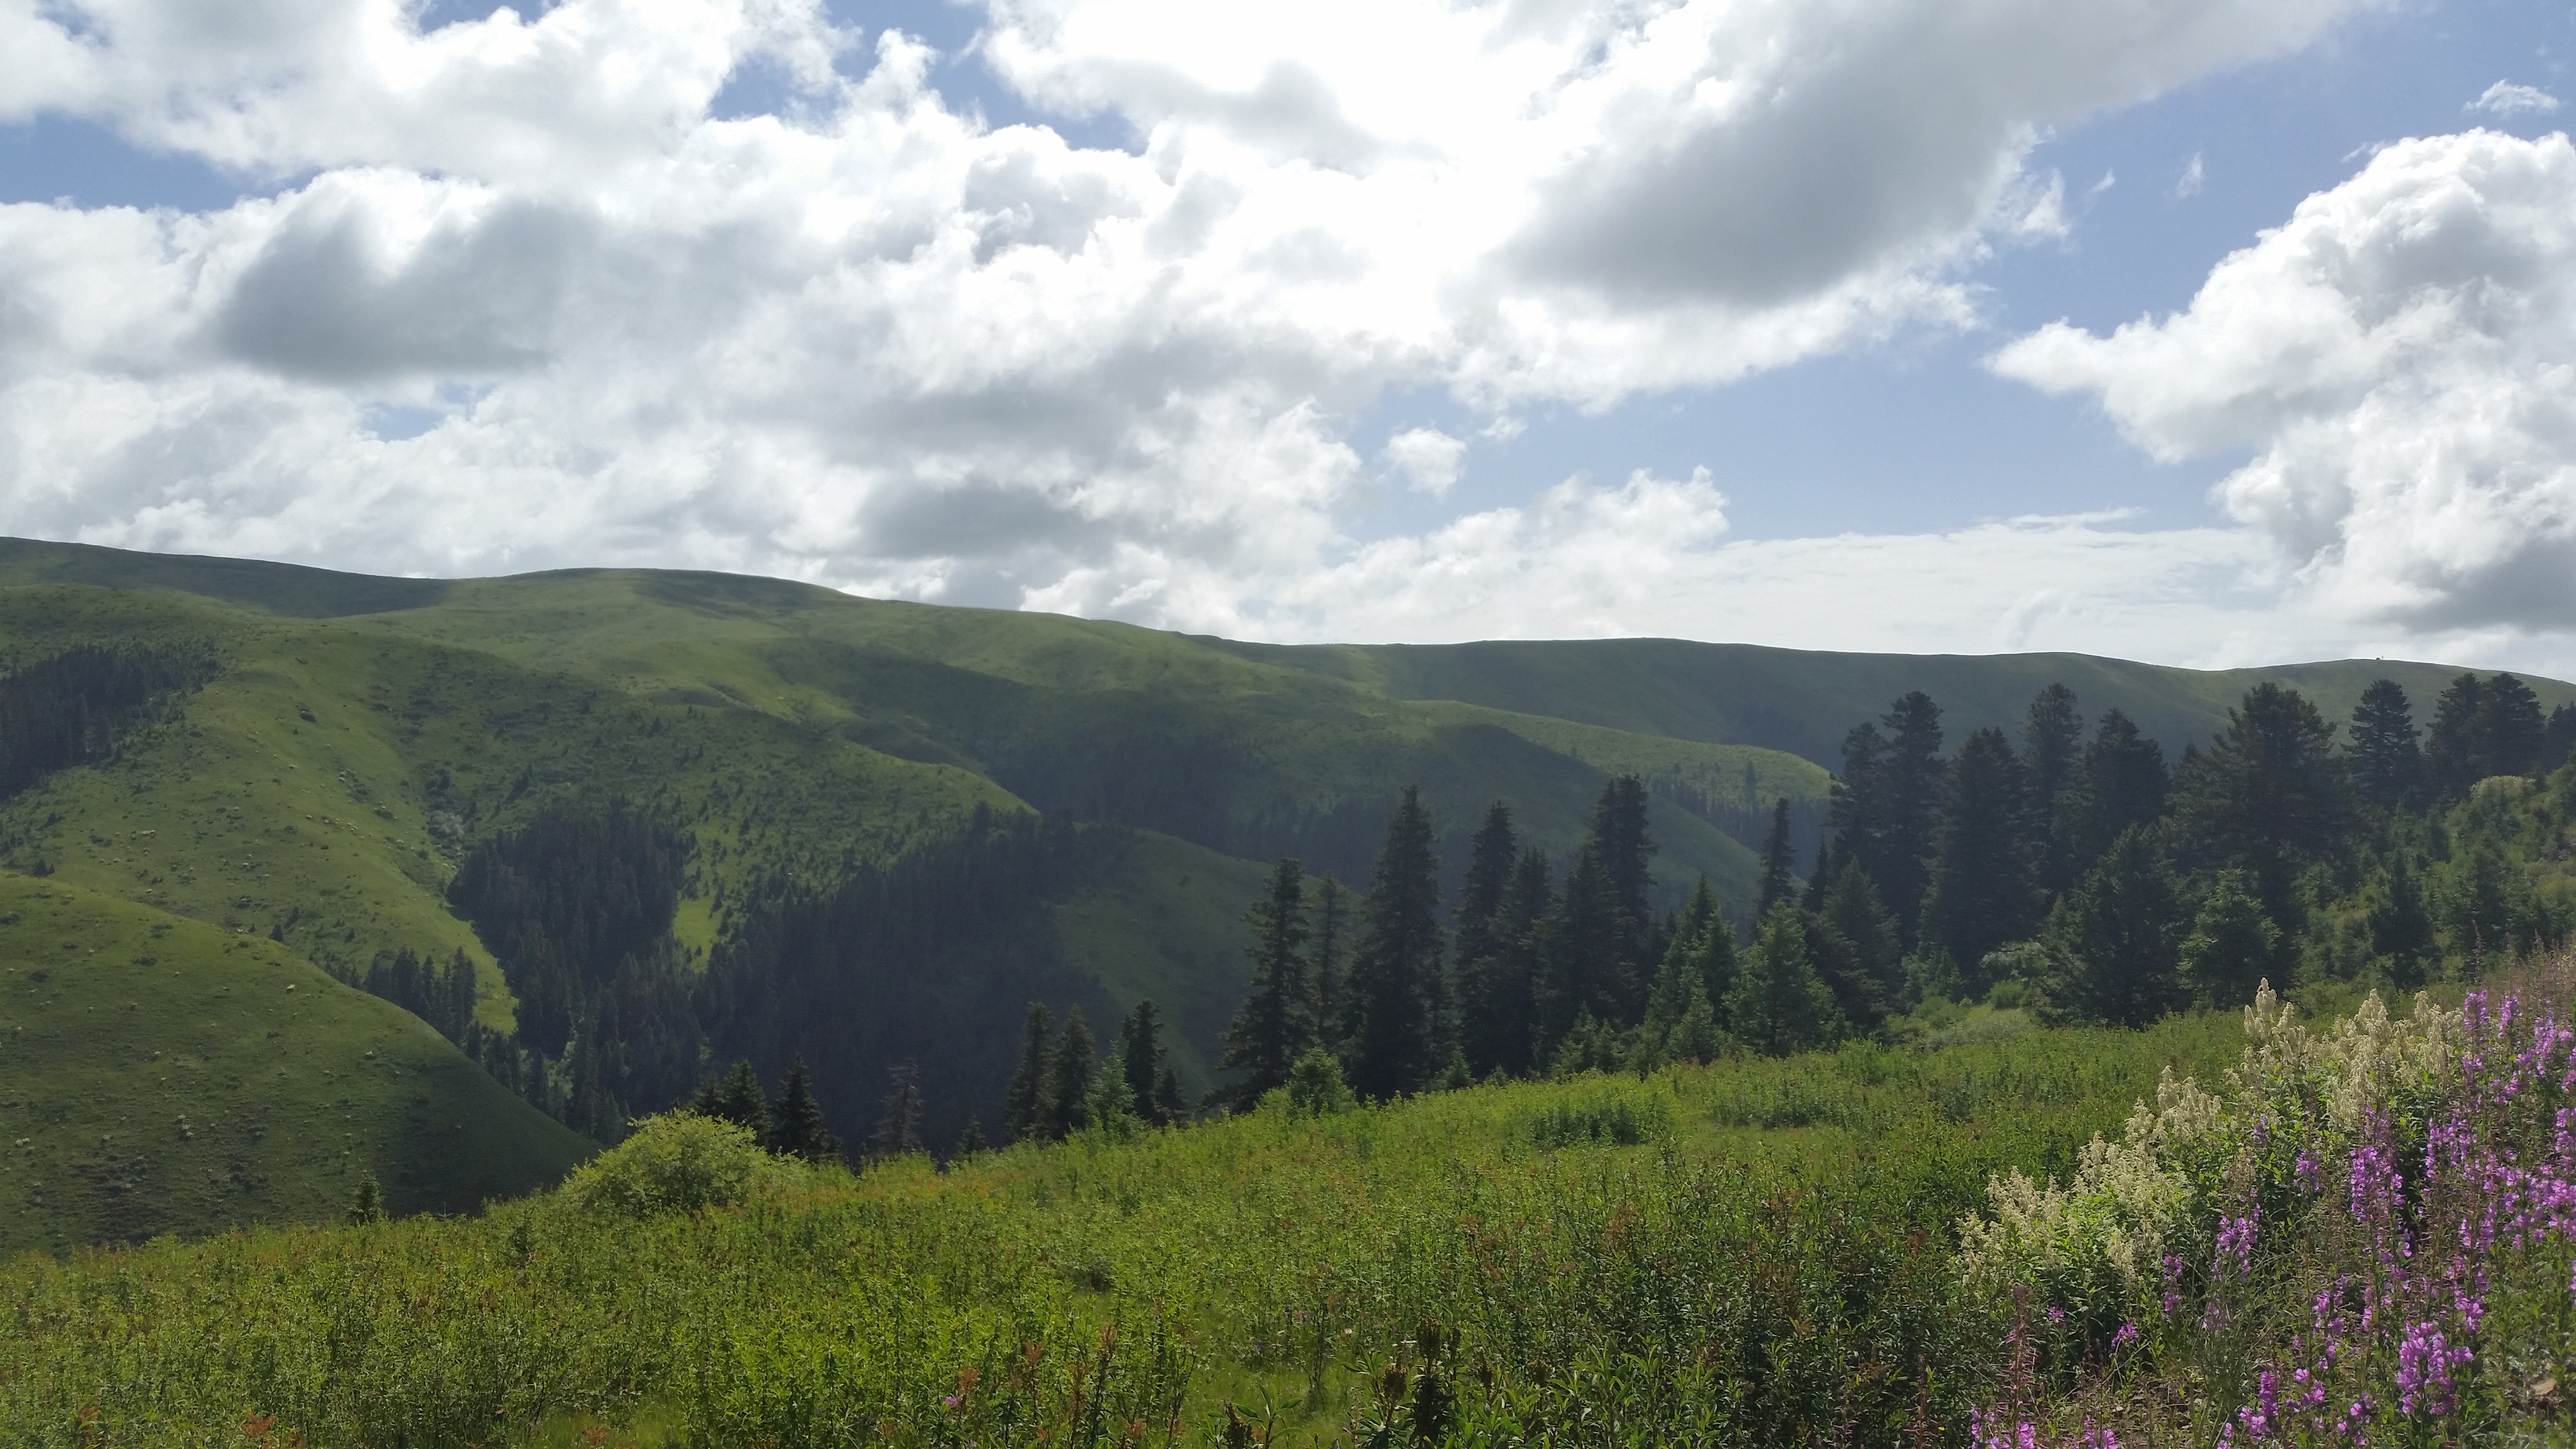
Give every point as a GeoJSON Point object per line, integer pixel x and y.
{"type": "Point", "coordinates": [168, 1076]}
{"type": "Point", "coordinates": [1609, 1260]}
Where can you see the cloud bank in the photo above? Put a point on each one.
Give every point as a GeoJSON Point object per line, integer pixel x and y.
{"type": "Point", "coordinates": [872, 341]}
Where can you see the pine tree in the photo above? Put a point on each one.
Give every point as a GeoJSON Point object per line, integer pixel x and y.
{"type": "Point", "coordinates": [1779, 860]}
{"type": "Point", "coordinates": [1024, 1105]}
{"type": "Point", "coordinates": [1332, 983]}
{"type": "Point", "coordinates": [971, 1141]}
{"type": "Point", "coordinates": [1068, 1099]}
{"type": "Point", "coordinates": [367, 1204]}
{"type": "Point", "coordinates": [1391, 1034]}
{"type": "Point", "coordinates": [1779, 1004]}
{"type": "Point", "coordinates": [2387, 762]}
{"type": "Point", "coordinates": [1145, 1061]}
{"type": "Point", "coordinates": [2269, 797]}
{"type": "Point", "coordinates": [2231, 946]}
{"type": "Point", "coordinates": [2514, 726]}
{"type": "Point", "coordinates": [1679, 1024]}
{"type": "Point", "coordinates": [1914, 772]}
{"type": "Point", "coordinates": [2052, 735]}
{"type": "Point", "coordinates": [1851, 907]}
{"type": "Point", "coordinates": [1493, 1007]}
{"type": "Point", "coordinates": [1625, 850]}
{"type": "Point", "coordinates": [2455, 750]}
{"type": "Point", "coordinates": [1579, 965]}
{"type": "Point", "coordinates": [2401, 929]}
{"type": "Point", "coordinates": [1168, 1103]}
{"type": "Point", "coordinates": [1984, 889]}
{"type": "Point", "coordinates": [796, 1123]}
{"type": "Point", "coordinates": [2112, 942]}
{"type": "Point", "coordinates": [1516, 980]}
{"type": "Point", "coordinates": [2558, 739]}
{"type": "Point", "coordinates": [735, 1097]}
{"type": "Point", "coordinates": [2123, 784]}
{"type": "Point", "coordinates": [1273, 1026]}
{"type": "Point", "coordinates": [899, 1130]}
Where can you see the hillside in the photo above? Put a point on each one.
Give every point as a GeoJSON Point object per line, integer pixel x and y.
{"type": "Point", "coordinates": [163, 1075]}
{"type": "Point", "coordinates": [349, 742]}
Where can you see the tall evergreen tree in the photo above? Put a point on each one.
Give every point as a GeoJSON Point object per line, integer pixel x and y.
{"type": "Point", "coordinates": [1493, 1001]}
{"type": "Point", "coordinates": [899, 1129]}
{"type": "Point", "coordinates": [1273, 1027]}
{"type": "Point", "coordinates": [1779, 860]}
{"type": "Point", "coordinates": [1915, 772]}
{"type": "Point", "coordinates": [1525, 936]}
{"type": "Point", "coordinates": [2269, 796]}
{"type": "Point", "coordinates": [1068, 1104]}
{"type": "Point", "coordinates": [1625, 850]}
{"type": "Point", "coordinates": [1984, 888]}
{"type": "Point", "coordinates": [1778, 1004]}
{"type": "Point", "coordinates": [2401, 928]}
{"type": "Point", "coordinates": [2114, 940]}
{"type": "Point", "coordinates": [1331, 974]}
{"type": "Point", "coordinates": [735, 1097]}
{"type": "Point", "coordinates": [1391, 1033]}
{"type": "Point", "coordinates": [796, 1121]}
{"type": "Point", "coordinates": [2387, 762]}
{"type": "Point", "coordinates": [2455, 752]}
{"type": "Point", "coordinates": [2514, 726]}
{"type": "Point", "coordinates": [1579, 967]}
{"type": "Point", "coordinates": [2123, 783]}
{"type": "Point", "coordinates": [1025, 1104]}
{"type": "Point", "coordinates": [1145, 1061]}
{"type": "Point", "coordinates": [1851, 907]}
{"type": "Point", "coordinates": [2231, 946]}
{"type": "Point", "coordinates": [2052, 735]}
{"type": "Point", "coordinates": [1680, 1025]}
{"type": "Point", "coordinates": [2558, 739]}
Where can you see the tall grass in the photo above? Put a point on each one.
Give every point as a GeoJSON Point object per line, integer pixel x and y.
{"type": "Point", "coordinates": [1607, 1261]}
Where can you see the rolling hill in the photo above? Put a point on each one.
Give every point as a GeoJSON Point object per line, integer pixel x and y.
{"type": "Point", "coordinates": [353, 739]}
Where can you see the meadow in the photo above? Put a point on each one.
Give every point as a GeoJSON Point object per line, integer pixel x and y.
{"type": "Point", "coordinates": [1752, 1251]}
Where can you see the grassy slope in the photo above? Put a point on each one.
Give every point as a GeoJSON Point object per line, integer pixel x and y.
{"type": "Point", "coordinates": [1802, 701]}
{"type": "Point", "coordinates": [1168, 925]}
{"type": "Point", "coordinates": [164, 1075]}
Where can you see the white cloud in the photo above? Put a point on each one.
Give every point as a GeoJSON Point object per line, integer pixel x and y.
{"type": "Point", "coordinates": [1427, 458]}
{"type": "Point", "coordinates": [2401, 358]}
{"type": "Point", "coordinates": [2505, 98]}
{"type": "Point", "coordinates": [876, 343]}
{"type": "Point", "coordinates": [2194, 176]}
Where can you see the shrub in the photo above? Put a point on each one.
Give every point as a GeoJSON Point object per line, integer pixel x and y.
{"type": "Point", "coordinates": [677, 1162]}
{"type": "Point", "coordinates": [1622, 1119]}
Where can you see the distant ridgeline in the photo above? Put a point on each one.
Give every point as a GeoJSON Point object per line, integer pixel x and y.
{"type": "Point", "coordinates": [69, 708]}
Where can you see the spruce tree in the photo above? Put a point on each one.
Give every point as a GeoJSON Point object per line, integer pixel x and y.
{"type": "Point", "coordinates": [1779, 860]}
{"type": "Point", "coordinates": [1679, 1024]}
{"type": "Point", "coordinates": [1516, 979]}
{"type": "Point", "coordinates": [367, 1204]}
{"type": "Point", "coordinates": [1273, 1027]}
{"type": "Point", "coordinates": [2558, 739]}
{"type": "Point", "coordinates": [2387, 762]}
{"type": "Point", "coordinates": [1145, 1061]}
{"type": "Point", "coordinates": [1331, 977]}
{"type": "Point", "coordinates": [1579, 966]}
{"type": "Point", "coordinates": [735, 1097]}
{"type": "Point", "coordinates": [1779, 1004]}
{"type": "Point", "coordinates": [1851, 907]}
{"type": "Point", "coordinates": [2269, 797]}
{"type": "Point", "coordinates": [1068, 1100]}
{"type": "Point", "coordinates": [2052, 735]}
{"type": "Point", "coordinates": [899, 1129]}
{"type": "Point", "coordinates": [971, 1141]}
{"type": "Point", "coordinates": [2401, 929]}
{"type": "Point", "coordinates": [2123, 783]}
{"type": "Point", "coordinates": [2113, 941]}
{"type": "Point", "coordinates": [1914, 773]}
{"type": "Point", "coordinates": [2513, 725]}
{"type": "Point", "coordinates": [1984, 888]}
{"type": "Point", "coordinates": [1168, 1103]}
{"type": "Point", "coordinates": [796, 1123]}
{"type": "Point", "coordinates": [1620, 842]}
{"type": "Point", "coordinates": [1391, 1033]}
{"type": "Point", "coordinates": [2231, 946]}
{"type": "Point", "coordinates": [2455, 752]}
{"type": "Point", "coordinates": [1024, 1105]}
{"type": "Point", "coordinates": [1492, 1007]}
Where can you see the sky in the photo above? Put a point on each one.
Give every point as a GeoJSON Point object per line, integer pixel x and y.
{"type": "Point", "coordinates": [2208, 332]}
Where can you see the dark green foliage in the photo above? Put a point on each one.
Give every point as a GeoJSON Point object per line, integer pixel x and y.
{"type": "Point", "coordinates": [735, 1097]}
{"type": "Point", "coordinates": [2558, 741]}
{"type": "Point", "coordinates": [2484, 728]}
{"type": "Point", "coordinates": [2268, 796]}
{"type": "Point", "coordinates": [1331, 970]}
{"type": "Point", "coordinates": [1068, 1101]}
{"type": "Point", "coordinates": [1779, 1004]}
{"type": "Point", "coordinates": [1779, 862]}
{"type": "Point", "coordinates": [1681, 1024]}
{"type": "Point", "coordinates": [1273, 1027]}
{"type": "Point", "coordinates": [2114, 940]}
{"type": "Point", "coordinates": [1315, 1087]}
{"type": "Point", "coordinates": [796, 1120]}
{"type": "Point", "coordinates": [1625, 850]}
{"type": "Point", "coordinates": [1024, 1103]}
{"type": "Point", "coordinates": [443, 996]}
{"type": "Point", "coordinates": [1579, 968]}
{"type": "Point", "coordinates": [1494, 1003]}
{"type": "Point", "coordinates": [1146, 1065]}
{"type": "Point", "coordinates": [2123, 784]}
{"type": "Point", "coordinates": [1850, 908]}
{"type": "Point", "coordinates": [1391, 1034]}
{"type": "Point", "coordinates": [2232, 947]}
{"type": "Point", "coordinates": [971, 1141]}
{"type": "Point", "coordinates": [2387, 760]}
{"type": "Point", "coordinates": [68, 708]}
{"type": "Point", "coordinates": [1984, 888]}
{"type": "Point", "coordinates": [2401, 929]}
{"type": "Point", "coordinates": [2052, 745]}
{"type": "Point", "coordinates": [1886, 802]}
{"type": "Point", "coordinates": [899, 1129]}
{"type": "Point", "coordinates": [367, 1204]}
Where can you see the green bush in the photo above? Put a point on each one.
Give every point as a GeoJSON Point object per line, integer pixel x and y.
{"type": "Point", "coordinates": [677, 1162]}
{"type": "Point", "coordinates": [1621, 1119]}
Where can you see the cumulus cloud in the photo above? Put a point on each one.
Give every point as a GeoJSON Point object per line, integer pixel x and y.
{"type": "Point", "coordinates": [875, 342]}
{"type": "Point", "coordinates": [2401, 360]}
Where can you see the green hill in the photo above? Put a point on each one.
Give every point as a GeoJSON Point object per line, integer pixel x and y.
{"type": "Point", "coordinates": [162, 1075]}
{"type": "Point", "coordinates": [354, 739]}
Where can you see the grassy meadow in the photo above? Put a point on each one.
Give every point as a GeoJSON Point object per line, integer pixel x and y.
{"type": "Point", "coordinates": [1755, 1251]}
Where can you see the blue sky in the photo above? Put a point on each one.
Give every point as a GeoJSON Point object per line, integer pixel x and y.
{"type": "Point", "coordinates": [1119, 309]}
